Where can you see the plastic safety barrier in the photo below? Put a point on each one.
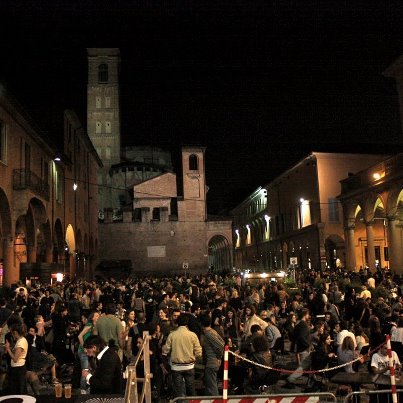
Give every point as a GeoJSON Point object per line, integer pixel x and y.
{"type": "Point", "coordinates": [275, 398]}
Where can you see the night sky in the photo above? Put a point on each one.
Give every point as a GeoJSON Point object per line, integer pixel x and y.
{"type": "Point", "coordinates": [259, 83]}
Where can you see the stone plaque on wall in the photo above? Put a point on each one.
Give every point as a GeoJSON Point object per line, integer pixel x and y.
{"type": "Point", "coordinates": [156, 251]}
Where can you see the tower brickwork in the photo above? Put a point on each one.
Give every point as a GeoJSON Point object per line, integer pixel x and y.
{"type": "Point", "coordinates": [193, 206]}
{"type": "Point", "coordinates": [103, 115]}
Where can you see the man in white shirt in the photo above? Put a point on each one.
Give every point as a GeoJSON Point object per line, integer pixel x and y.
{"type": "Point", "coordinates": [380, 361]}
{"type": "Point", "coordinates": [344, 333]}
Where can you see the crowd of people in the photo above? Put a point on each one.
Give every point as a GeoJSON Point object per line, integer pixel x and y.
{"type": "Point", "coordinates": [329, 319]}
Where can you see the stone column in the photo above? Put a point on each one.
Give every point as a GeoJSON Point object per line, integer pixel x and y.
{"type": "Point", "coordinates": [72, 258]}
{"type": "Point", "coordinates": [49, 255]}
{"type": "Point", "coordinates": [31, 252]}
{"type": "Point", "coordinates": [370, 245]}
{"type": "Point", "coordinates": [10, 274]}
{"type": "Point", "coordinates": [349, 232]}
{"type": "Point", "coordinates": [395, 246]}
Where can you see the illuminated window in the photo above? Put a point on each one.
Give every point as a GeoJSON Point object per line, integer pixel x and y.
{"type": "Point", "coordinates": [98, 103]}
{"type": "Point", "coordinates": [193, 163]}
{"type": "Point", "coordinates": [267, 227]}
{"type": "Point", "coordinates": [248, 235]}
{"type": "Point", "coordinates": [305, 213]}
{"type": "Point", "coordinates": [238, 239]}
{"type": "Point", "coordinates": [103, 73]}
{"type": "Point", "coordinates": [333, 210]}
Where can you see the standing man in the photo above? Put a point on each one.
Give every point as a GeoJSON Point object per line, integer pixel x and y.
{"type": "Point", "coordinates": [302, 335]}
{"type": "Point", "coordinates": [109, 328]}
{"type": "Point", "coordinates": [184, 348]}
{"type": "Point", "coordinates": [213, 350]}
{"type": "Point", "coordinates": [107, 377]}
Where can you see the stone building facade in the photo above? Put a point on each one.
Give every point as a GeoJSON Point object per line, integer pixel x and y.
{"type": "Point", "coordinates": [46, 227]}
{"type": "Point", "coordinates": [373, 205]}
{"type": "Point", "coordinates": [149, 217]}
{"type": "Point", "coordinates": [297, 220]}
{"type": "Point", "coordinates": [373, 216]}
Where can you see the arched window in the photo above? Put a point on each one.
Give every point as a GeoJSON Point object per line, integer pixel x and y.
{"type": "Point", "coordinates": [193, 163]}
{"type": "Point", "coordinates": [98, 127]}
{"type": "Point", "coordinates": [108, 127]}
{"type": "Point", "coordinates": [103, 73]}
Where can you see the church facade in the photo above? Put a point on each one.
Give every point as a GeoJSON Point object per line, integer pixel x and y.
{"type": "Point", "coordinates": [150, 217]}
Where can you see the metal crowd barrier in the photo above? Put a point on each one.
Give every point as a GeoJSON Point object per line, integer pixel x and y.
{"type": "Point", "coordinates": [272, 398]}
{"type": "Point", "coordinates": [373, 396]}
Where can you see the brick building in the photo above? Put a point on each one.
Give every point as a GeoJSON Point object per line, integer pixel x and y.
{"type": "Point", "coordinates": [49, 204]}
{"type": "Point", "coordinates": [150, 217]}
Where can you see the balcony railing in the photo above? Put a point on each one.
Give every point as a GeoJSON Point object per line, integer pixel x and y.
{"type": "Point", "coordinates": [24, 179]}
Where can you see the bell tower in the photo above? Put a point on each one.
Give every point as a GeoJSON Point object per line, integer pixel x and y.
{"type": "Point", "coordinates": [193, 207]}
{"type": "Point", "coordinates": [103, 113]}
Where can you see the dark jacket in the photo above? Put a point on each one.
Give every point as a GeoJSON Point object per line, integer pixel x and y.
{"type": "Point", "coordinates": [302, 336]}
{"type": "Point", "coordinates": [107, 378]}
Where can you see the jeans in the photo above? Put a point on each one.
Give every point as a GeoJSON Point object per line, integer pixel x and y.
{"type": "Point", "coordinates": [183, 383]}
{"type": "Point", "coordinates": [84, 365]}
{"type": "Point", "coordinates": [210, 381]}
{"type": "Point", "coordinates": [305, 357]}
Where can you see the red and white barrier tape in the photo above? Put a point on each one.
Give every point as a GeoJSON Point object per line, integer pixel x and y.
{"type": "Point", "coordinates": [225, 376]}
{"type": "Point", "coordinates": [391, 370]}
{"type": "Point", "coordinates": [286, 399]}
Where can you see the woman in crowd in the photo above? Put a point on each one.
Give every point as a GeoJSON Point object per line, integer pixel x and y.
{"type": "Point", "coordinates": [164, 322]}
{"type": "Point", "coordinates": [250, 318]}
{"type": "Point", "coordinates": [288, 329]}
{"type": "Point", "coordinates": [321, 358]}
{"type": "Point", "coordinates": [259, 376]}
{"type": "Point", "coordinates": [130, 319]}
{"type": "Point", "coordinates": [346, 353]}
{"type": "Point", "coordinates": [59, 326]}
{"type": "Point", "coordinates": [232, 325]}
{"type": "Point", "coordinates": [88, 330]}
{"type": "Point", "coordinates": [235, 301]}
{"type": "Point", "coordinates": [17, 375]}
{"type": "Point", "coordinates": [361, 337]}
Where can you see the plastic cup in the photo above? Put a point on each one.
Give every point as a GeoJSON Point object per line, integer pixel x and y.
{"type": "Point", "coordinates": [67, 390]}
{"type": "Point", "coordinates": [58, 389]}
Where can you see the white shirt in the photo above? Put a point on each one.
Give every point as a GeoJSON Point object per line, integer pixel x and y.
{"type": "Point", "coordinates": [22, 344]}
{"type": "Point", "coordinates": [342, 335]}
{"type": "Point", "coordinates": [382, 361]}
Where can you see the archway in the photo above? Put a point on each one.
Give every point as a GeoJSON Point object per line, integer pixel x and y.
{"type": "Point", "coordinates": [38, 234]}
{"type": "Point", "coordinates": [219, 254]}
{"type": "Point", "coordinates": [70, 251]}
{"type": "Point", "coordinates": [335, 251]}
